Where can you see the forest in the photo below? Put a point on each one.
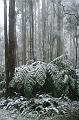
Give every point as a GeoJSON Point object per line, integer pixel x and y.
{"type": "Point", "coordinates": [39, 59]}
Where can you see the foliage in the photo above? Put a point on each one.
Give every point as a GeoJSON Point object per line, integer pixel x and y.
{"type": "Point", "coordinates": [61, 77]}
{"type": "Point", "coordinates": [57, 77]}
{"type": "Point", "coordinates": [29, 78]}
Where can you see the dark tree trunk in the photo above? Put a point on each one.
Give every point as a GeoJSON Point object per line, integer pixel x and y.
{"type": "Point", "coordinates": [6, 48]}
{"type": "Point", "coordinates": [11, 38]}
{"type": "Point", "coordinates": [24, 32]}
{"type": "Point", "coordinates": [16, 45]}
{"type": "Point", "coordinates": [31, 31]}
{"type": "Point", "coordinates": [9, 45]}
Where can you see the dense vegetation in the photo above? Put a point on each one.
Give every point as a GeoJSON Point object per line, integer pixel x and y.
{"type": "Point", "coordinates": [39, 61]}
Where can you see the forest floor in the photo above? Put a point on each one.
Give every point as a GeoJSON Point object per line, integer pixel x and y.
{"type": "Point", "coordinates": [8, 115]}
{"type": "Point", "coordinates": [42, 107]}
{"type": "Point", "coordinates": [5, 115]}
{"type": "Point", "coordinates": [57, 109]}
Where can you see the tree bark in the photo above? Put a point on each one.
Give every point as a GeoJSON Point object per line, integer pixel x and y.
{"type": "Point", "coordinates": [24, 32]}
{"type": "Point", "coordinates": [6, 49]}
{"type": "Point", "coordinates": [31, 30]}
{"type": "Point", "coordinates": [11, 38]}
{"type": "Point", "coordinates": [44, 28]}
{"type": "Point", "coordinates": [59, 29]}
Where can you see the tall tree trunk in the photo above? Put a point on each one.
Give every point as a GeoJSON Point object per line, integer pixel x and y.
{"type": "Point", "coordinates": [39, 33]}
{"type": "Point", "coordinates": [31, 31]}
{"type": "Point", "coordinates": [11, 38]}
{"type": "Point", "coordinates": [35, 29]}
{"type": "Point", "coordinates": [24, 31]}
{"type": "Point", "coordinates": [6, 48]}
{"type": "Point", "coordinates": [16, 45]}
{"type": "Point", "coordinates": [44, 28]}
{"type": "Point", "coordinates": [47, 32]}
{"type": "Point", "coordinates": [76, 47]}
{"type": "Point", "coordinates": [59, 39]}
{"type": "Point", "coordinates": [51, 33]}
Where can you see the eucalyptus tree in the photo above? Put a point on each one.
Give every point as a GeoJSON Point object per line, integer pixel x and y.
{"type": "Point", "coordinates": [11, 37]}
{"type": "Point", "coordinates": [44, 28]}
{"type": "Point", "coordinates": [6, 46]}
{"type": "Point", "coordinates": [72, 17]}
{"type": "Point", "coordinates": [59, 28]}
{"type": "Point", "coordinates": [24, 31]}
{"type": "Point", "coordinates": [9, 43]}
{"type": "Point", "coordinates": [31, 19]}
{"type": "Point", "coordinates": [52, 28]}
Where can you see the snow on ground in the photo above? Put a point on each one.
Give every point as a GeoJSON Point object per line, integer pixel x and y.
{"type": "Point", "coordinates": [5, 115]}
{"type": "Point", "coordinates": [41, 107]}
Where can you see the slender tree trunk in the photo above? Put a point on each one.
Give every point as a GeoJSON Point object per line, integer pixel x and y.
{"type": "Point", "coordinates": [51, 34]}
{"type": "Point", "coordinates": [35, 29]}
{"type": "Point", "coordinates": [48, 50]}
{"type": "Point", "coordinates": [31, 31]}
{"type": "Point", "coordinates": [24, 31]}
{"type": "Point", "coordinates": [44, 28]}
{"type": "Point", "coordinates": [11, 38]}
{"type": "Point", "coordinates": [39, 33]}
{"type": "Point", "coordinates": [71, 46]}
{"type": "Point", "coordinates": [16, 45]}
{"type": "Point", "coordinates": [6, 48]}
{"type": "Point", "coordinates": [59, 39]}
{"type": "Point", "coordinates": [76, 47]}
